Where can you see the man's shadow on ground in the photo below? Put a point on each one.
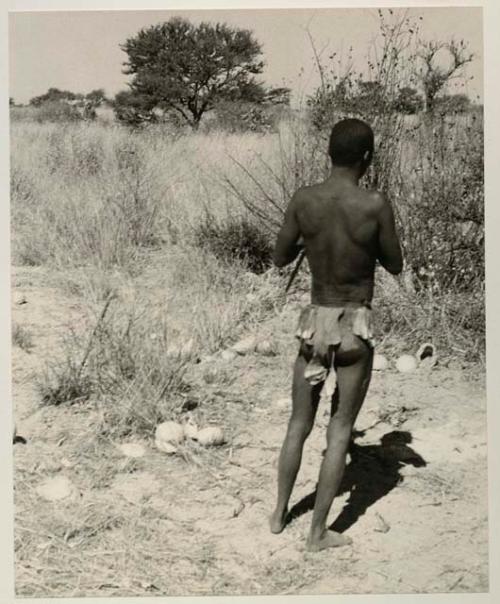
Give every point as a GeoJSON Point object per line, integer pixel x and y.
{"type": "Point", "coordinates": [371, 474]}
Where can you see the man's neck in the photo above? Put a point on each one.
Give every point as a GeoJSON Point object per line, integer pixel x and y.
{"type": "Point", "coordinates": [350, 174]}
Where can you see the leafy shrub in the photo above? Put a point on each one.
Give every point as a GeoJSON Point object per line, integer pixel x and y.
{"type": "Point", "coordinates": [57, 111]}
{"type": "Point", "coordinates": [441, 208]}
{"type": "Point", "coordinates": [242, 116]}
{"type": "Point", "coordinates": [235, 238]}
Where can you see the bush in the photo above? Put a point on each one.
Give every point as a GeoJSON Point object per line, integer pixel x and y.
{"type": "Point", "coordinates": [242, 116]}
{"type": "Point", "coordinates": [441, 208]}
{"type": "Point", "coordinates": [56, 111]}
{"type": "Point", "coordinates": [126, 366]}
{"type": "Point", "coordinates": [235, 238]}
{"type": "Point", "coordinates": [21, 337]}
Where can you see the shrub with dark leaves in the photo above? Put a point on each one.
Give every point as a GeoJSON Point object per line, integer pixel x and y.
{"type": "Point", "coordinates": [235, 238]}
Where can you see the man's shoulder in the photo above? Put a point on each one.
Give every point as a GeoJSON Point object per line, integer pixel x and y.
{"type": "Point", "coordinates": [375, 196]}
{"type": "Point", "coordinates": [302, 196]}
{"type": "Point", "coordinates": [306, 193]}
{"type": "Point", "coordinates": [378, 201]}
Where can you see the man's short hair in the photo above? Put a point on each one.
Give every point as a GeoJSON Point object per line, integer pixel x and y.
{"type": "Point", "coordinates": [349, 141]}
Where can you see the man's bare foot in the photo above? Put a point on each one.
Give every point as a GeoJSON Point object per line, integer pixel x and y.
{"type": "Point", "coordinates": [327, 539]}
{"type": "Point", "coordinates": [277, 521]}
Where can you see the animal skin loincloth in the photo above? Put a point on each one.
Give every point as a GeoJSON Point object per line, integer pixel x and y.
{"type": "Point", "coordinates": [323, 329]}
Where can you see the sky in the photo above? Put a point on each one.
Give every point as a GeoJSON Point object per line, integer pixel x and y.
{"type": "Point", "coordinates": [80, 51]}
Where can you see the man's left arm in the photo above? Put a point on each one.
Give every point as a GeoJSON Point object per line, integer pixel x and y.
{"type": "Point", "coordinates": [289, 241]}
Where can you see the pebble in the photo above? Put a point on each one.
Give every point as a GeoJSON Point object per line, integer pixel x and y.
{"type": "Point", "coordinates": [380, 362]}
{"type": "Point", "coordinates": [55, 489]}
{"type": "Point", "coordinates": [244, 346]}
{"type": "Point", "coordinates": [228, 355]}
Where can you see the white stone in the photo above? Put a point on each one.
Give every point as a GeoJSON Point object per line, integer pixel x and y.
{"type": "Point", "coordinates": [210, 436]}
{"type": "Point", "coordinates": [406, 363]}
{"type": "Point", "coordinates": [266, 348]}
{"type": "Point", "coordinates": [244, 346]}
{"type": "Point", "coordinates": [228, 355]}
{"type": "Point", "coordinates": [380, 362]}
{"type": "Point", "coordinates": [54, 489]}
{"type": "Point", "coordinates": [168, 436]}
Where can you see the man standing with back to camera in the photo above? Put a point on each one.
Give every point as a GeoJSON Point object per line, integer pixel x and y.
{"type": "Point", "coordinates": [344, 229]}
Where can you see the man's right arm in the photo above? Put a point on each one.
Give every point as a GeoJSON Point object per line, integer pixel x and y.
{"type": "Point", "coordinates": [389, 249]}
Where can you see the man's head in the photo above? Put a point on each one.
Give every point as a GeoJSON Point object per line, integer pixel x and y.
{"type": "Point", "coordinates": [351, 144]}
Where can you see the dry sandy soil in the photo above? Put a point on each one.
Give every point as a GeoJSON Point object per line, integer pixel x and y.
{"type": "Point", "coordinates": [414, 495]}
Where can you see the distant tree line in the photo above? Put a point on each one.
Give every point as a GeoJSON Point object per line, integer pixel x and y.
{"type": "Point", "coordinates": [180, 71]}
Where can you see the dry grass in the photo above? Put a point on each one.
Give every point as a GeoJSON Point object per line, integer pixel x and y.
{"type": "Point", "coordinates": [115, 213]}
{"type": "Point", "coordinates": [120, 211]}
{"type": "Point", "coordinates": [22, 337]}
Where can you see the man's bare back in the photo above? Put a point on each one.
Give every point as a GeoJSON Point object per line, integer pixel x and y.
{"type": "Point", "coordinates": [345, 230]}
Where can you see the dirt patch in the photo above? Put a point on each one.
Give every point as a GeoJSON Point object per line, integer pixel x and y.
{"type": "Point", "coordinates": [413, 498]}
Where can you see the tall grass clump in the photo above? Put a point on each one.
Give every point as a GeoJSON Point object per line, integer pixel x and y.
{"type": "Point", "coordinates": [126, 366]}
{"type": "Point", "coordinates": [89, 194]}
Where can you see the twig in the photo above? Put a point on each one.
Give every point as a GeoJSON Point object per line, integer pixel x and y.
{"type": "Point", "coordinates": [295, 270]}
{"type": "Point", "coordinates": [110, 297]}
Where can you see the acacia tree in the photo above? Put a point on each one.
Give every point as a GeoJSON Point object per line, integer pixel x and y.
{"type": "Point", "coordinates": [435, 76]}
{"type": "Point", "coordinates": [179, 66]}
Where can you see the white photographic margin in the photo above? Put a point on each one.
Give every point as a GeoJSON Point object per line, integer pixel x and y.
{"type": "Point", "coordinates": [491, 22]}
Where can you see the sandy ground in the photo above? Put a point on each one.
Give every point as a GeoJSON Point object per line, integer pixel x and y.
{"type": "Point", "coordinates": [413, 499]}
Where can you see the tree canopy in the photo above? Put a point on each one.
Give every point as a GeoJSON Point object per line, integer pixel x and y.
{"type": "Point", "coordinates": [434, 76]}
{"type": "Point", "coordinates": [177, 65]}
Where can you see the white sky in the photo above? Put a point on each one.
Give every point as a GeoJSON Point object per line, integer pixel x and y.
{"type": "Point", "coordinates": [79, 51]}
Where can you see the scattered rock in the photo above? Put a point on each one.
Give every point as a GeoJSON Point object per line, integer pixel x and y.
{"type": "Point", "coordinates": [132, 449]}
{"type": "Point", "coordinates": [55, 489]}
{"type": "Point", "coordinates": [380, 362]}
{"type": "Point", "coordinates": [228, 355]}
{"type": "Point", "coordinates": [406, 363]}
{"type": "Point", "coordinates": [245, 346]}
{"type": "Point", "coordinates": [266, 348]}
{"type": "Point", "coordinates": [21, 300]}
{"type": "Point", "coordinates": [210, 436]}
{"type": "Point", "coordinates": [211, 374]}
{"type": "Point", "coordinates": [168, 436]}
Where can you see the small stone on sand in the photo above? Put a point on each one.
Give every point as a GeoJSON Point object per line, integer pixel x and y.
{"type": "Point", "coordinates": [54, 489]}
{"type": "Point", "coordinates": [265, 348]}
{"type": "Point", "coordinates": [228, 355]}
{"type": "Point", "coordinates": [406, 363]}
{"type": "Point", "coordinates": [244, 346]}
{"type": "Point", "coordinates": [380, 362]}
